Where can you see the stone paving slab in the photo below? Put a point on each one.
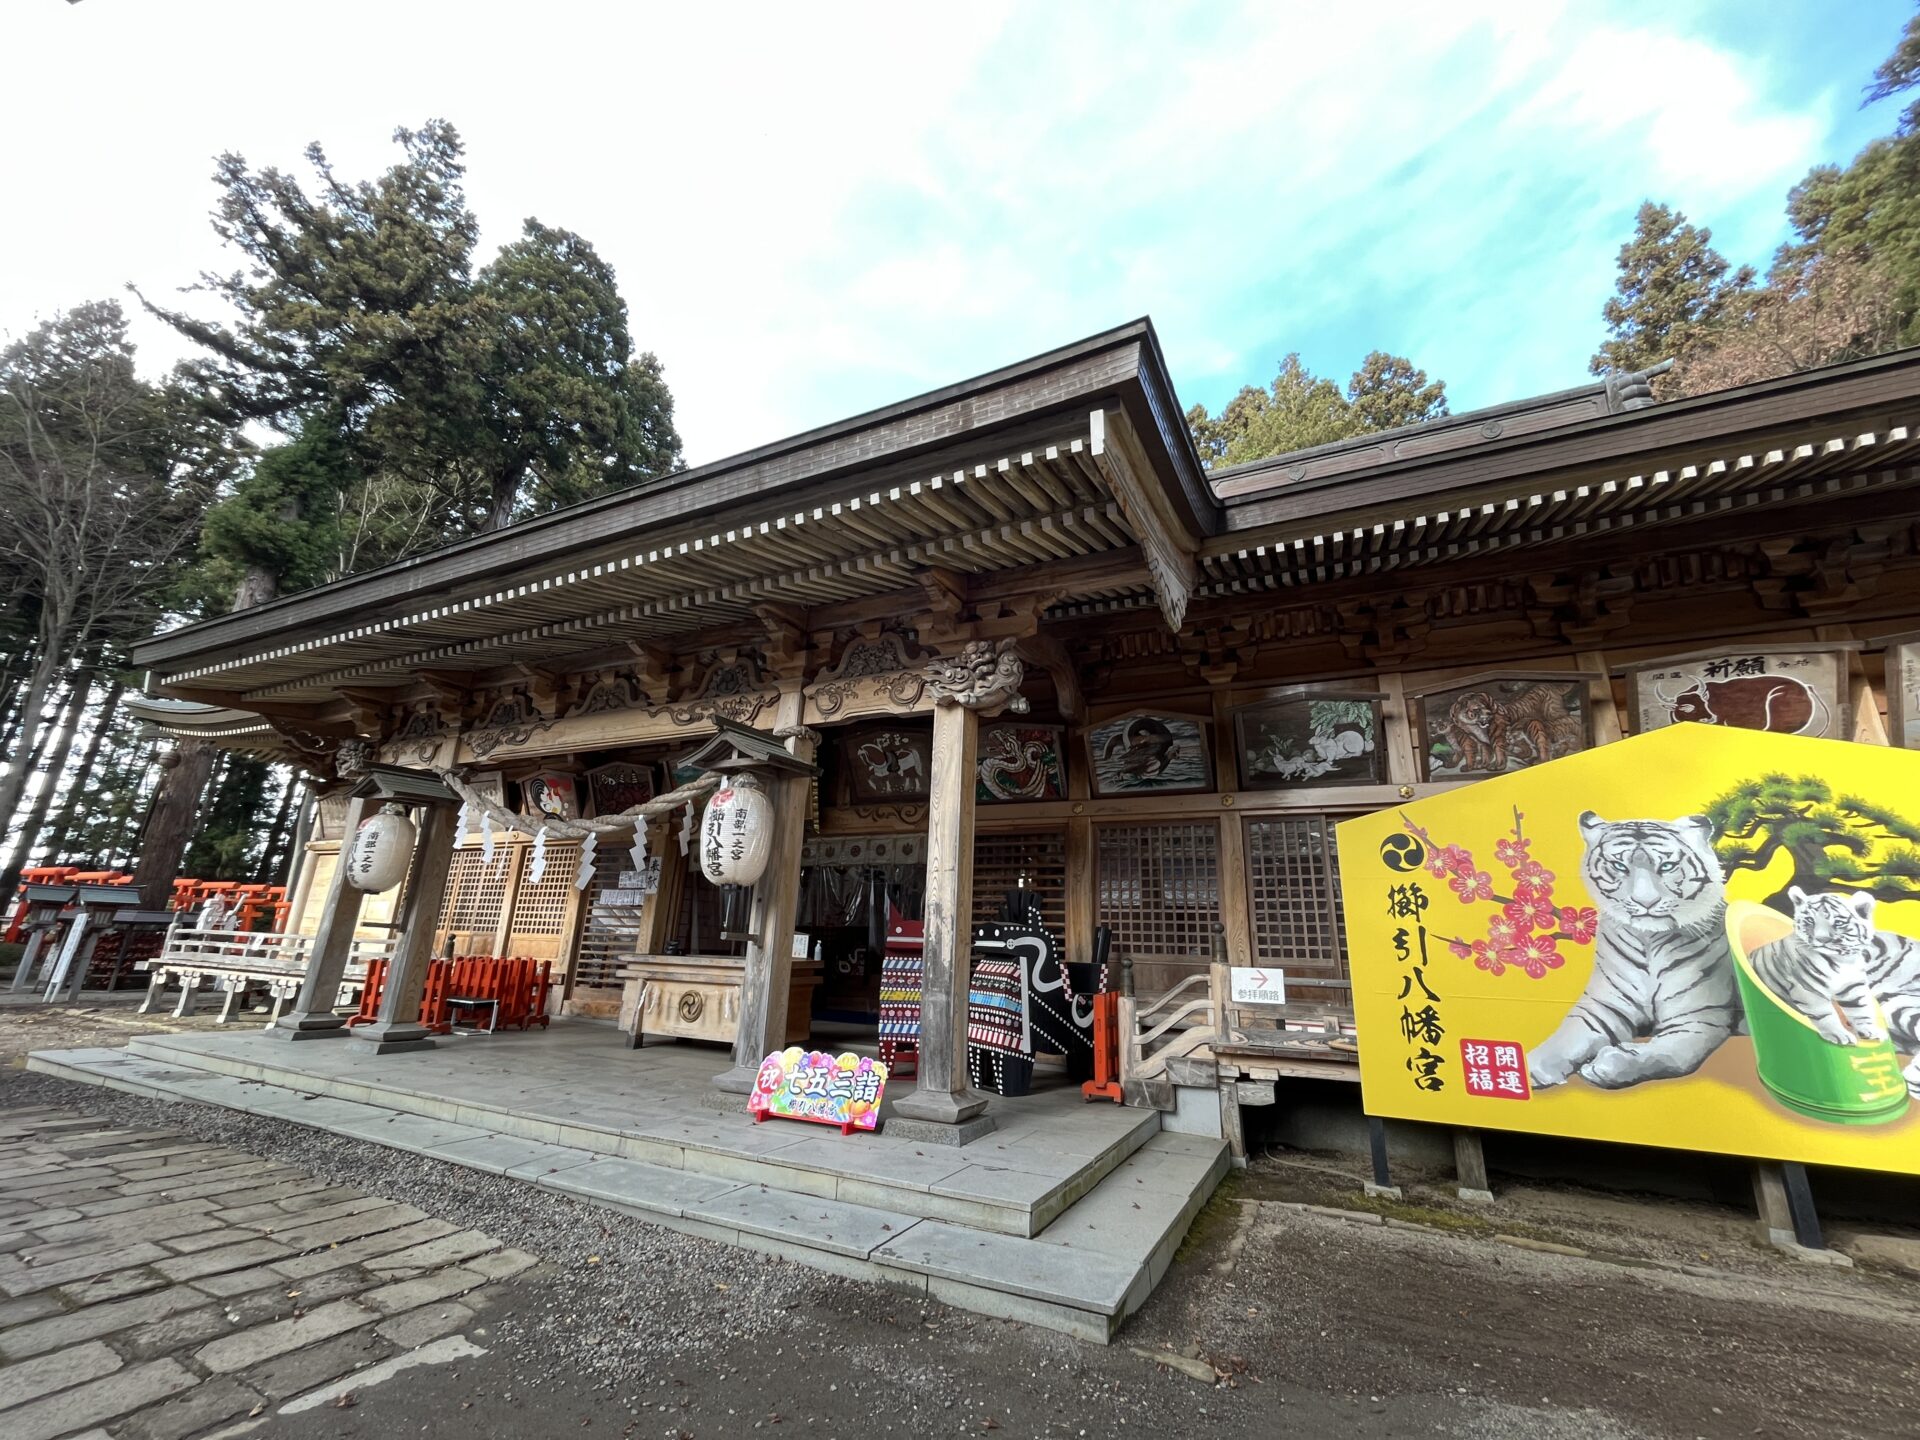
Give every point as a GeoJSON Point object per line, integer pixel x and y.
{"type": "Point", "coordinates": [638, 1185]}
{"type": "Point", "coordinates": [101, 1400]}
{"type": "Point", "coordinates": [1049, 1273]}
{"type": "Point", "coordinates": [56, 1370]}
{"type": "Point", "coordinates": [176, 1339]}
{"type": "Point", "coordinates": [503, 1155]}
{"type": "Point", "coordinates": [830, 1225]}
{"type": "Point", "coordinates": [17, 1278]}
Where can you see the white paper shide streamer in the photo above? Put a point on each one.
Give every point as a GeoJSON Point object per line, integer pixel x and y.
{"type": "Point", "coordinates": [589, 847]}
{"type": "Point", "coordinates": [537, 868]}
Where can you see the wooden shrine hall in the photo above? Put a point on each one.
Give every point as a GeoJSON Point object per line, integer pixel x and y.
{"type": "Point", "coordinates": [1028, 658]}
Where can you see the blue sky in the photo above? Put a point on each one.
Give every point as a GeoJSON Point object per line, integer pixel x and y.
{"type": "Point", "coordinates": [818, 210]}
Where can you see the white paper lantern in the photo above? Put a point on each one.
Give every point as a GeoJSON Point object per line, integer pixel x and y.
{"type": "Point", "coordinates": [737, 834]}
{"type": "Point", "coordinates": [377, 859]}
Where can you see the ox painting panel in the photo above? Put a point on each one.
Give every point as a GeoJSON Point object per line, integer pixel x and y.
{"type": "Point", "coordinates": [1494, 723]}
{"type": "Point", "coordinates": [1144, 752]}
{"type": "Point", "coordinates": [1791, 691]}
{"type": "Point", "coordinates": [1329, 738]}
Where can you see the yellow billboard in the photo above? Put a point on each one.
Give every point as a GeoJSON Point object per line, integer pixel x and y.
{"type": "Point", "coordinates": [1703, 938]}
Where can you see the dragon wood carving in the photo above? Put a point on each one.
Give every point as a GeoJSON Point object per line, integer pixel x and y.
{"type": "Point", "coordinates": [983, 677]}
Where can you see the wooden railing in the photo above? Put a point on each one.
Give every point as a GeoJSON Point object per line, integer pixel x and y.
{"type": "Point", "coordinates": [1180, 1024]}
{"type": "Point", "coordinates": [238, 962]}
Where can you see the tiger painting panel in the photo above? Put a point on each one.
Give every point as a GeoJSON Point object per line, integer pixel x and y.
{"type": "Point", "coordinates": [1493, 724]}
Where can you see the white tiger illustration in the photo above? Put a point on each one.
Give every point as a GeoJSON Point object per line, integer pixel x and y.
{"type": "Point", "coordinates": [1662, 967]}
{"type": "Point", "coordinates": [1836, 959]}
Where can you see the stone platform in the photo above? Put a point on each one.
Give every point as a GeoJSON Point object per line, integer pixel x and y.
{"type": "Point", "coordinates": [1065, 1216]}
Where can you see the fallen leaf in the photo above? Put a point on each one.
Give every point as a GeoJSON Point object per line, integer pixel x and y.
{"type": "Point", "coordinates": [259, 1409]}
{"type": "Point", "coordinates": [593, 1259]}
{"type": "Point", "coordinates": [345, 1402]}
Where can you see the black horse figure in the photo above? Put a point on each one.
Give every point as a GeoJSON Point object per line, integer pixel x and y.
{"type": "Point", "coordinates": [1023, 1000]}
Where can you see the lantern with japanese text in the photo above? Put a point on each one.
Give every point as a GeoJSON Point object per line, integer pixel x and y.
{"type": "Point", "coordinates": [736, 836]}
{"type": "Point", "coordinates": [376, 860]}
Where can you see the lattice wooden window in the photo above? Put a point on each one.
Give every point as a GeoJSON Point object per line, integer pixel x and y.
{"type": "Point", "coordinates": [543, 913]}
{"type": "Point", "coordinates": [1001, 862]}
{"type": "Point", "coordinates": [1293, 889]}
{"type": "Point", "coordinates": [470, 911]}
{"type": "Point", "coordinates": [1158, 886]}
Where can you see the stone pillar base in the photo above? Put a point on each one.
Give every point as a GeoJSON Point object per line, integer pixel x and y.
{"type": "Point", "coordinates": [940, 1107]}
{"type": "Point", "coordinates": [309, 1025]}
{"type": "Point", "coordinates": [937, 1132]}
{"type": "Point", "coordinates": [737, 1081]}
{"type": "Point", "coordinates": [392, 1037]}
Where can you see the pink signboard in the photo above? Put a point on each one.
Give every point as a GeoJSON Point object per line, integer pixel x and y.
{"type": "Point", "coordinates": [841, 1090]}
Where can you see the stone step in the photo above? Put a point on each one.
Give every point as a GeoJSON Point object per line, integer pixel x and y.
{"type": "Point", "coordinates": [1083, 1274]}
{"type": "Point", "coordinates": [985, 1185]}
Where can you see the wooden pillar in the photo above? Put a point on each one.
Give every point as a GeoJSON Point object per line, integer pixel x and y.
{"type": "Point", "coordinates": [398, 1025]}
{"type": "Point", "coordinates": [1082, 912]}
{"type": "Point", "coordinates": [1470, 1166]}
{"type": "Point", "coordinates": [314, 1015]}
{"type": "Point", "coordinates": [767, 976]}
{"type": "Point", "coordinates": [942, 1097]}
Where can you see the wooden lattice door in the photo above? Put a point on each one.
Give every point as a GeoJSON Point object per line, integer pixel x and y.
{"type": "Point", "coordinates": [1035, 861]}
{"type": "Point", "coordinates": [1293, 894]}
{"type": "Point", "coordinates": [1158, 888]}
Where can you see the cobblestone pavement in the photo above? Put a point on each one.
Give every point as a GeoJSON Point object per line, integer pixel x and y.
{"type": "Point", "coordinates": [154, 1287]}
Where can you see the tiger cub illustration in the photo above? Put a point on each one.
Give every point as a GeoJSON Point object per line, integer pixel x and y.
{"type": "Point", "coordinates": [1836, 960]}
{"type": "Point", "coordinates": [1662, 967]}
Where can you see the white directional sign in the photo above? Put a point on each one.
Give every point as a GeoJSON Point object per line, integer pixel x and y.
{"type": "Point", "coordinates": [1255, 986]}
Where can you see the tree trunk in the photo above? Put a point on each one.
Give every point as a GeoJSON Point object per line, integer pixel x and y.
{"type": "Point", "coordinates": [14, 784]}
{"type": "Point", "coordinates": [16, 710]}
{"type": "Point", "coordinates": [27, 833]}
{"type": "Point", "coordinates": [277, 837]}
{"type": "Point", "coordinates": [80, 786]}
{"type": "Point", "coordinates": [184, 772]}
{"type": "Point", "coordinates": [176, 804]}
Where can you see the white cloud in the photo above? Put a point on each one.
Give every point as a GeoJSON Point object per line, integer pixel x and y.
{"type": "Point", "coordinates": [815, 210]}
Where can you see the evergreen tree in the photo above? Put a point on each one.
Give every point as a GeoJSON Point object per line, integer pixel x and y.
{"type": "Point", "coordinates": [1673, 287]}
{"type": "Point", "coordinates": [1387, 392]}
{"type": "Point", "coordinates": [1301, 410]}
{"type": "Point", "coordinates": [457, 400]}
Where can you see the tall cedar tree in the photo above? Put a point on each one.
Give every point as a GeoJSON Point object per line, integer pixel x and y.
{"type": "Point", "coordinates": [102, 492]}
{"type": "Point", "coordinates": [1673, 287]}
{"type": "Point", "coordinates": [459, 400]}
{"type": "Point", "coordinates": [1301, 410]}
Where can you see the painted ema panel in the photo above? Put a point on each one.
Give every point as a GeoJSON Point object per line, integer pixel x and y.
{"type": "Point", "coordinates": [1704, 938]}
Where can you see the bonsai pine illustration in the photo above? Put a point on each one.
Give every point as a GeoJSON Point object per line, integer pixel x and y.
{"type": "Point", "coordinates": [1837, 842]}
